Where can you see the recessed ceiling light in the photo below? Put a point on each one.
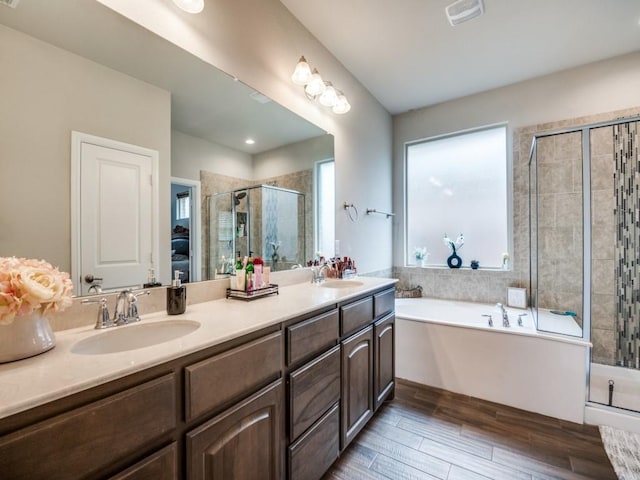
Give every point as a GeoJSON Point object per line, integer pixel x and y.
{"type": "Point", "coordinates": [191, 6]}
{"type": "Point", "coordinates": [249, 141]}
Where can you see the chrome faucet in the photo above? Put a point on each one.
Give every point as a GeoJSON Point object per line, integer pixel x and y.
{"type": "Point", "coordinates": [119, 316]}
{"type": "Point", "coordinates": [126, 309]}
{"type": "Point", "coordinates": [103, 320]}
{"type": "Point", "coordinates": [318, 273]}
{"type": "Point", "coordinates": [505, 315]}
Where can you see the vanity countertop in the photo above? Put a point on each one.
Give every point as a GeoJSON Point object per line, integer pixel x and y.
{"type": "Point", "coordinates": [60, 372]}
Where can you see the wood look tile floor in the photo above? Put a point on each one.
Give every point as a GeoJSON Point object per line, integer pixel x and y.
{"type": "Point", "coordinates": [430, 434]}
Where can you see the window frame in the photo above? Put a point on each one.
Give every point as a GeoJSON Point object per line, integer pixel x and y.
{"type": "Point", "coordinates": [407, 249]}
{"type": "Point", "coordinates": [316, 200]}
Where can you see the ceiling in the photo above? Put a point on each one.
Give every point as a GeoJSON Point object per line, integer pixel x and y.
{"type": "Point", "coordinates": [205, 102]}
{"type": "Point", "coordinates": [408, 56]}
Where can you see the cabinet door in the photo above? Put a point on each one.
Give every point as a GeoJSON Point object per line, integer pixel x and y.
{"type": "Point", "coordinates": [384, 358]}
{"type": "Point", "coordinates": [244, 442]}
{"type": "Point", "coordinates": [357, 384]}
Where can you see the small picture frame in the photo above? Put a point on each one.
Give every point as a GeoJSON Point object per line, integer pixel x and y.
{"type": "Point", "coordinates": [517, 297]}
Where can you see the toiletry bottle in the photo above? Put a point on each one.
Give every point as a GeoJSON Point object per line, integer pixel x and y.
{"type": "Point", "coordinates": [241, 276]}
{"type": "Point", "coordinates": [257, 273]}
{"type": "Point", "coordinates": [151, 280]}
{"type": "Point", "coordinates": [176, 296]}
{"type": "Point", "coordinates": [250, 273]}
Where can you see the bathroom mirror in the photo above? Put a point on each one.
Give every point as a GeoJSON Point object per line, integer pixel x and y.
{"type": "Point", "coordinates": [79, 66]}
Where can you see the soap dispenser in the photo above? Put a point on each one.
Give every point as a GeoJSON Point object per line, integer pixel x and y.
{"type": "Point", "coordinates": [176, 296]}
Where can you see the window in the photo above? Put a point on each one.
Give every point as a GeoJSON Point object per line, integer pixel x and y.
{"type": "Point", "coordinates": [457, 184]}
{"type": "Point", "coordinates": [183, 206]}
{"type": "Point", "coordinates": [325, 208]}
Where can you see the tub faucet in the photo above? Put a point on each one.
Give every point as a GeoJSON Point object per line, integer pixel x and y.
{"type": "Point", "coordinates": [505, 315]}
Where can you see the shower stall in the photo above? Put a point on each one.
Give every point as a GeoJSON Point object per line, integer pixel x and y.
{"type": "Point", "coordinates": [584, 205]}
{"type": "Point", "coordinates": [262, 220]}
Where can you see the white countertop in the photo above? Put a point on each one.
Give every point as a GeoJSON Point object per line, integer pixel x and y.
{"type": "Point", "coordinates": [60, 372]}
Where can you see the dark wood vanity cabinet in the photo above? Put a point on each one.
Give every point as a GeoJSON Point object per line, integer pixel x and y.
{"type": "Point", "coordinates": [282, 402]}
{"type": "Point", "coordinates": [368, 365]}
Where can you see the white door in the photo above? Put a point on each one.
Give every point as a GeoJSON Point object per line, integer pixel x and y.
{"type": "Point", "coordinates": [115, 212]}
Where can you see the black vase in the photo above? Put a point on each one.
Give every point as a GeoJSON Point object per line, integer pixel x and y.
{"type": "Point", "coordinates": [454, 261]}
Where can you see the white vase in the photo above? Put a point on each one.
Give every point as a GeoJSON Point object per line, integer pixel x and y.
{"type": "Point", "coordinates": [25, 337]}
{"type": "Point", "coordinates": [423, 263]}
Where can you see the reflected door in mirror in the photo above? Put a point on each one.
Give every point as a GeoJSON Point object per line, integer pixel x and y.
{"type": "Point", "coordinates": [116, 234]}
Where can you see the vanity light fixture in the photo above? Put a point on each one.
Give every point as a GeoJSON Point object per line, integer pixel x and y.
{"type": "Point", "coordinates": [190, 6]}
{"type": "Point", "coordinates": [319, 90]}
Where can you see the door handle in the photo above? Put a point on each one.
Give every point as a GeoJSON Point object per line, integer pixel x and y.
{"type": "Point", "coordinates": [89, 278]}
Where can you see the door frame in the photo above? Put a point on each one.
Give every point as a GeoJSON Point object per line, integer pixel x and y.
{"type": "Point", "coordinates": [196, 223]}
{"type": "Point", "coordinates": [77, 139]}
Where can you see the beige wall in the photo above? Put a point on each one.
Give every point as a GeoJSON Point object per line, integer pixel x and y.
{"type": "Point", "coordinates": [259, 41]}
{"type": "Point", "coordinates": [292, 158]}
{"type": "Point", "coordinates": [190, 154]}
{"type": "Point", "coordinates": [46, 93]}
{"type": "Point", "coordinates": [545, 102]}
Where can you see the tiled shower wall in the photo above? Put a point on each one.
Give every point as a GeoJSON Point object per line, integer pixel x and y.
{"type": "Point", "coordinates": [627, 250]}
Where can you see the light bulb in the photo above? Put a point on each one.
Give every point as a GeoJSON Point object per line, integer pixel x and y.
{"type": "Point", "coordinates": [191, 6]}
{"type": "Point", "coordinates": [329, 97]}
{"type": "Point", "coordinates": [342, 106]}
{"type": "Point", "coordinates": [316, 85]}
{"type": "Point", "coordinates": [302, 73]}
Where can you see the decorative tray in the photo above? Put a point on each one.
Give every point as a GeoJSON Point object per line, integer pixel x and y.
{"type": "Point", "coordinates": [252, 294]}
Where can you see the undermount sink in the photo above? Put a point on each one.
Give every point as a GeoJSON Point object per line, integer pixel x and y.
{"type": "Point", "coordinates": [132, 337]}
{"type": "Point", "coordinates": [342, 284]}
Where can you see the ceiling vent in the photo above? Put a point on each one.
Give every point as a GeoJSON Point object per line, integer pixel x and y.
{"type": "Point", "coordinates": [9, 3]}
{"type": "Point", "coordinates": [464, 10]}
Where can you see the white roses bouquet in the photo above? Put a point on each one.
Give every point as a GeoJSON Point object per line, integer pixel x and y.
{"type": "Point", "coordinates": [31, 286]}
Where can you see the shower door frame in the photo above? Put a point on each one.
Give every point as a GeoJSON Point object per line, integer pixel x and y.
{"type": "Point", "coordinates": [586, 227]}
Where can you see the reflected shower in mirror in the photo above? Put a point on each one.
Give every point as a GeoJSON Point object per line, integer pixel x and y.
{"type": "Point", "coordinates": [259, 221]}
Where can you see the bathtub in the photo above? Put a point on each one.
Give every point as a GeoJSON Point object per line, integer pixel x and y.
{"type": "Point", "coordinates": [449, 345]}
{"type": "Point", "coordinates": [626, 397]}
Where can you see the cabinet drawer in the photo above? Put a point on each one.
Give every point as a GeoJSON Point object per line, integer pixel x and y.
{"type": "Point", "coordinates": [162, 465]}
{"type": "Point", "coordinates": [356, 315]}
{"type": "Point", "coordinates": [313, 389]}
{"type": "Point", "coordinates": [310, 337]}
{"type": "Point", "coordinates": [312, 455]}
{"type": "Point", "coordinates": [88, 440]}
{"type": "Point", "coordinates": [384, 302]}
{"type": "Point", "coordinates": [232, 375]}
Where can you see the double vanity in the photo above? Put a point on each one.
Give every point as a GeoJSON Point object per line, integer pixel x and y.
{"type": "Point", "coordinates": [274, 388]}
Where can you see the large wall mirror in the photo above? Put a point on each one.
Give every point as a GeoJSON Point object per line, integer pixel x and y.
{"type": "Point", "coordinates": [236, 170]}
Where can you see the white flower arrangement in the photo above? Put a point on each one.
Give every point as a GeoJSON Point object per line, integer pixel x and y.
{"type": "Point", "coordinates": [31, 286]}
{"type": "Point", "coordinates": [420, 253]}
{"type": "Point", "coordinates": [454, 246]}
